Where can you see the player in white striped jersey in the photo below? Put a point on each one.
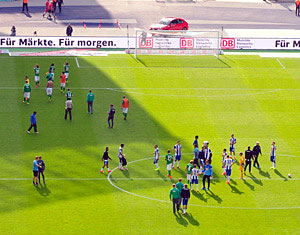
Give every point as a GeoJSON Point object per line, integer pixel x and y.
{"type": "Point", "coordinates": [121, 156]}
{"type": "Point", "coordinates": [194, 177]}
{"type": "Point", "coordinates": [228, 165]}
{"type": "Point", "coordinates": [224, 156]}
{"type": "Point", "coordinates": [232, 146]}
{"type": "Point", "coordinates": [177, 149]}
{"type": "Point", "coordinates": [272, 155]}
{"type": "Point", "coordinates": [207, 152]}
{"type": "Point", "coordinates": [156, 157]}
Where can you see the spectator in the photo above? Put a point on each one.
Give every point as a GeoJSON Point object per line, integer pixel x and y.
{"type": "Point", "coordinates": [25, 5]}
{"type": "Point", "coordinates": [59, 4]}
{"type": "Point", "coordinates": [13, 31]}
{"type": "Point", "coordinates": [46, 8]}
{"type": "Point", "coordinates": [54, 2]}
{"type": "Point", "coordinates": [297, 3]}
{"type": "Point", "coordinates": [69, 30]}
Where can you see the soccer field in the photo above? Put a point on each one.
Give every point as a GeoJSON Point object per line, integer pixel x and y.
{"type": "Point", "coordinates": [171, 98]}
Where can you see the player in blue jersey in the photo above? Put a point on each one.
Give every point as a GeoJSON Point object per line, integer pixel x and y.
{"type": "Point", "coordinates": [196, 155]}
{"type": "Point", "coordinates": [224, 156]}
{"type": "Point", "coordinates": [196, 141]}
{"type": "Point", "coordinates": [272, 155]}
{"type": "Point", "coordinates": [232, 146]}
{"type": "Point", "coordinates": [228, 165]}
{"type": "Point", "coordinates": [177, 149]}
{"type": "Point", "coordinates": [194, 177]}
{"type": "Point", "coordinates": [156, 157]}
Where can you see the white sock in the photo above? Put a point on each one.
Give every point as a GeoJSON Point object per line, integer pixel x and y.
{"type": "Point", "coordinates": [224, 170]}
{"type": "Point", "coordinates": [178, 163]}
{"type": "Point", "coordinates": [156, 164]}
{"type": "Point", "coordinates": [184, 210]}
{"type": "Point", "coordinates": [174, 164]}
{"type": "Point", "coordinates": [191, 186]}
{"type": "Point", "coordinates": [228, 178]}
{"type": "Point", "coordinates": [198, 187]}
{"type": "Point", "coordinates": [107, 168]}
{"type": "Point", "coordinates": [101, 169]}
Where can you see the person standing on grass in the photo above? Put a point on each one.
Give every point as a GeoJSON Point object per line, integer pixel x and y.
{"type": "Point", "coordinates": [67, 70]}
{"type": "Point", "coordinates": [156, 157]}
{"type": "Point", "coordinates": [189, 169]}
{"type": "Point", "coordinates": [125, 106]}
{"type": "Point", "coordinates": [69, 94]}
{"type": "Point", "coordinates": [25, 6]}
{"type": "Point", "coordinates": [208, 173]}
{"type": "Point", "coordinates": [185, 195]}
{"type": "Point", "coordinates": [120, 155]}
{"type": "Point", "coordinates": [207, 152]}
{"type": "Point", "coordinates": [228, 164]}
{"type": "Point", "coordinates": [272, 155]}
{"type": "Point", "coordinates": [90, 99]}
{"type": "Point", "coordinates": [248, 158]}
{"type": "Point", "coordinates": [111, 115]}
{"type": "Point", "coordinates": [35, 171]}
{"type": "Point", "coordinates": [196, 155]}
{"type": "Point", "coordinates": [69, 107]}
{"type": "Point", "coordinates": [105, 158]}
{"type": "Point", "coordinates": [41, 165]}
{"type": "Point", "coordinates": [26, 92]}
{"type": "Point", "coordinates": [169, 160]}
{"type": "Point", "coordinates": [37, 75]}
{"type": "Point", "coordinates": [232, 143]}
{"type": "Point", "coordinates": [49, 76]}
{"type": "Point", "coordinates": [124, 163]}
{"type": "Point", "coordinates": [52, 70]}
{"type": "Point", "coordinates": [49, 90]}
{"type": "Point", "coordinates": [201, 158]}
{"type": "Point", "coordinates": [62, 82]}
{"type": "Point", "coordinates": [174, 197]}
{"type": "Point", "coordinates": [194, 177]}
{"type": "Point", "coordinates": [256, 151]}
{"type": "Point", "coordinates": [196, 141]}
{"type": "Point", "coordinates": [224, 156]}
{"type": "Point", "coordinates": [33, 123]}
{"type": "Point", "coordinates": [69, 30]}
{"type": "Point", "coordinates": [177, 149]}
{"type": "Point", "coordinates": [242, 164]}
{"type": "Point", "coordinates": [179, 186]}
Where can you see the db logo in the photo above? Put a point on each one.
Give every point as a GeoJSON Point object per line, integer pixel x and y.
{"type": "Point", "coordinates": [186, 43]}
{"type": "Point", "coordinates": [146, 42]}
{"type": "Point", "coordinates": [227, 43]}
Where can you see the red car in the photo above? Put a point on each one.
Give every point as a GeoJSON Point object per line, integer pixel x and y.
{"type": "Point", "coordinates": [170, 23]}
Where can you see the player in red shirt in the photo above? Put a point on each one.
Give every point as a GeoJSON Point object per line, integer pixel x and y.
{"type": "Point", "coordinates": [62, 82]}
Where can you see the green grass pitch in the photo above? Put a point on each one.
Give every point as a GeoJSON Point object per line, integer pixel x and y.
{"type": "Point", "coordinates": [171, 98]}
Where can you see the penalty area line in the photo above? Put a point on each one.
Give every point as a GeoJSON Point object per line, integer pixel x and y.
{"type": "Point", "coordinates": [77, 62]}
{"type": "Point", "coordinates": [280, 63]}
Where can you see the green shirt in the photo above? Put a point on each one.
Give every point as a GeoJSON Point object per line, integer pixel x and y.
{"type": "Point", "coordinates": [69, 95]}
{"type": "Point", "coordinates": [27, 88]}
{"type": "Point", "coordinates": [179, 185]}
{"type": "Point", "coordinates": [189, 168]}
{"type": "Point", "coordinates": [169, 159]}
{"type": "Point", "coordinates": [37, 71]}
{"type": "Point", "coordinates": [90, 97]}
{"type": "Point", "coordinates": [174, 193]}
{"type": "Point", "coordinates": [49, 77]}
{"type": "Point", "coordinates": [52, 69]}
{"type": "Point", "coordinates": [67, 68]}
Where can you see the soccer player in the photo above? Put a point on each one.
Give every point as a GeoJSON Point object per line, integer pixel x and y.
{"type": "Point", "coordinates": [174, 196]}
{"type": "Point", "coordinates": [228, 164]}
{"type": "Point", "coordinates": [27, 79]}
{"type": "Point", "coordinates": [177, 149]}
{"type": "Point", "coordinates": [156, 157]}
{"type": "Point", "coordinates": [179, 186]}
{"type": "Point", "coordinates": [224, 156]}
{"type": "Point", "coordinates": [90, 100]}
{"type": "Point", "coordinates": [196, 155]}
{"type": "Point", "coordinates": [105, 158]}
{"type": "Point", "coordinates": [26, 92]}
{"type": "Point", "coordinates": [52, 69]}
{"type": "Point", "coordinates": [121, 156]}
{"type": "Point", "coordinates": [185, 195]}
{"type": "Point", "coordinates": [37, 75]}
{"type": "Point", "coordinates": [62, 82]}
{"type": "Point", "coordinates": [50, 76]}
{"type": "Point", "coordinates": [49, 90]}
{"type": "Point", "coordinates": [208, 172]}
{"type": "Point", "coordinates": [124, 163]}
{"type": "Point", "coordinates": [35, 171]}
{"type": "Point", "coordinates": [169, 160]}
{"type": "Point", "coordinates": [125, 106]}
{"type": "Point", "coordinates": [33, 123]}
{"type": "Point", "coordinates": [189, 169]}
{"type": "Point", "coordinates": [272, 155]}
{"type": "Point", "coordinates": [194, 177]}
{"type": "Point", "coordinates": [196, 141]}
{"type": "Point", "coordinates": [41, 165]}
{"type": "Point", "coordinates": [69, 94]}
{"type": "Point", "coordinates": [232, 146]}
{"type": "Point", "coordinates": [67, 71]}
{"type": "Point", "coordinates": [111, 115]}
{"type": "Point", "coordinates": [248, 158]}
{"type": "Point", "coordinates": [201, 158]}
{"type": "Point", "coordinates": [207, 152]}
{"type": "Point", "coordinates": [242, 164]}
{"type": "Point", "coordinates": [256, 151]}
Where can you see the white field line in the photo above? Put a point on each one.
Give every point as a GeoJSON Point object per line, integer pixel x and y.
{"type": "Point", "coordinates": [77, 62]}
{"type": "Point", "coordinates": [280, 63]}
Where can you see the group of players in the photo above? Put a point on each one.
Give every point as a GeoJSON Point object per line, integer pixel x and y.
{"type": "Point", "coordinates": [50, 81]}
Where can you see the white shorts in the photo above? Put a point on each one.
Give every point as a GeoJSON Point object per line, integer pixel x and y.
{"type": "Point", "coordinates": [169, 167]}
{"type": "Point", "coordinates": [37, 78]}
{"type": "Point", "coordinates": [67, 75]}
{"type": "Point", "coordinates": [63, 85]}
{"type": "Point", "coordinates": [125, 110]}
{"type": "Point", "coordinates": [49, 91]}
{"type": "Point", "coordinates": [27, 95]}
{"type": "Point", "coordinates": [188, 176]}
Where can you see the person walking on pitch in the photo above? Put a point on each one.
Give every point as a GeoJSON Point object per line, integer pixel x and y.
{"type": "Point", "coordinates": [232, 143]}
{"type": "Point", "coordinates": [224, 156]}
{"type": "Point", "coordinates": [174, 197]}
{"type": "Point", "coordinates": [62, 82]}
{"type": "Point", "coordinates": [33, 123]}
{"type": "Point", "coordinates": [120, 156]}
{"type": "Point", "coordinates": [256, 151]}
{"type": "Point", "coordinates": [189, 169]}
{"type": "Point", "coordinates": [37, 75]}
{"type": "Point", "coordinates": [26, 92]}
{"type": "Point", "coordinates": [69, 94]}
{"type": "Point", "coordinates": [196, 141]}
{"type": "Point", "coordinates": [177, 149]}
{"type": "Point", "coordinates": [156, 157]}
{"type": "Point", "coordinates": [194, 177]}
{"type": "Point", "coordinates": [179, 186]}
{"type": "Point", "coordinates": [208, 172]}
{"type": "Point", "coordinates": [248, 158]}
{"type": "Point", "coordinates": [125, 107]}
{"type": "Point", "coordinates": [90, 100]}
{"type": "Point", "coordinates": [111, 115]}
{"type": "Point", "coordinates": [41, 165]}
{"type": "Point", "coordinates": [68, 109]}
{"type": "Point", "coordinates": [242, 164]}
{"type": "Point", "coordinates": [49, 90]}
{"type": "Point", "coordinates": [272, 155]}
{"type": "Point", "coordinates": [228, 164]}
{"type": "Point", "coordinates": [185, 195]}
{"type": "Point", "coordinates": [196, 155]}
{"type": "Point", "coordinates": [105, 158]}
{"type": "Point", "coordinates": [67, 71]}
{"type": "Point", "coordinates": [169, 160]}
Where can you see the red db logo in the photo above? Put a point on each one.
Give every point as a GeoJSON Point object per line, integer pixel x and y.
{"type": "Point", "coordinates": [146, 43]}
{"type": "Point", "coordinates": [227, 43]}
{"type": "Point", "coordinates": [186, 43]}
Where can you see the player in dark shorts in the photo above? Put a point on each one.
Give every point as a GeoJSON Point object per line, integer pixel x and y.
{"type": "Point", "coordinates": [111, 115]}
{"type": "Point", "coordinates": [41, 164]}
{"type": "Point", "coordinates": [35, 171]}
{"type": "Point", "coordinates": [124, 163]}
{"type": "Point", "coordinates": [105, 158]}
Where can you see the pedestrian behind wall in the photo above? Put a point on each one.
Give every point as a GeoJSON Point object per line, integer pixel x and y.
{"type": "Point", "coordinates": [69, 30]}
{"type": "Point", "coordinates": [297, 3]}
{"type": "Point", "coordinates": [13, 31]}
{"type": "Point", "coordinates": [60, 2]}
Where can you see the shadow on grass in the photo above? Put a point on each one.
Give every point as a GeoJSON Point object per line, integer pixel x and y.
{"type": "Point", "coordinates": [126, 174]}
{"type": "Point", "coordinates": [180, 220]}
{"type": "Point", "coordinates": [199, 196]}
{"type": "Point", "coordinates": [235, 190]}
{"type": "Point", "coordinates": [255, 180]}
{"type": "Point", "coordinates": [43, 190]}
{"type": "Point", "coordinates": [191, 219]}
{"type": "Point", "coordinates": [264, 173]}
{"type": "Point", "coordinates": [214, 196]}
{"type": "Point", "coordinates": [161, 175]}
{"type": "Point", "coordinates": [280, 175]}
{"type": "Point", "coordinates": [250, 186]}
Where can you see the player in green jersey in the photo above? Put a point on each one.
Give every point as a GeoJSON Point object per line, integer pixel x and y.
{"type": "Point", "coordinates": [52, 70]}
{"type": "Point", "coordinates": [169, 159]}
{"type": "Point", "coordinates": [26, 92]}
{"type": "Point", "coordinates": [189, 169]}
{"type": "Point", "coordinates": [179, 186]}
{"type": "Point", "coordinates": [50, 76]}
{"type": "Point", "coordinates": [67, 70]}
{"type": "Point", "coordinates": [174, 196]}
{"type": "Point", "coordinates": [69, 94]}
{"type": "Point", "coordinates": [37, 75]}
